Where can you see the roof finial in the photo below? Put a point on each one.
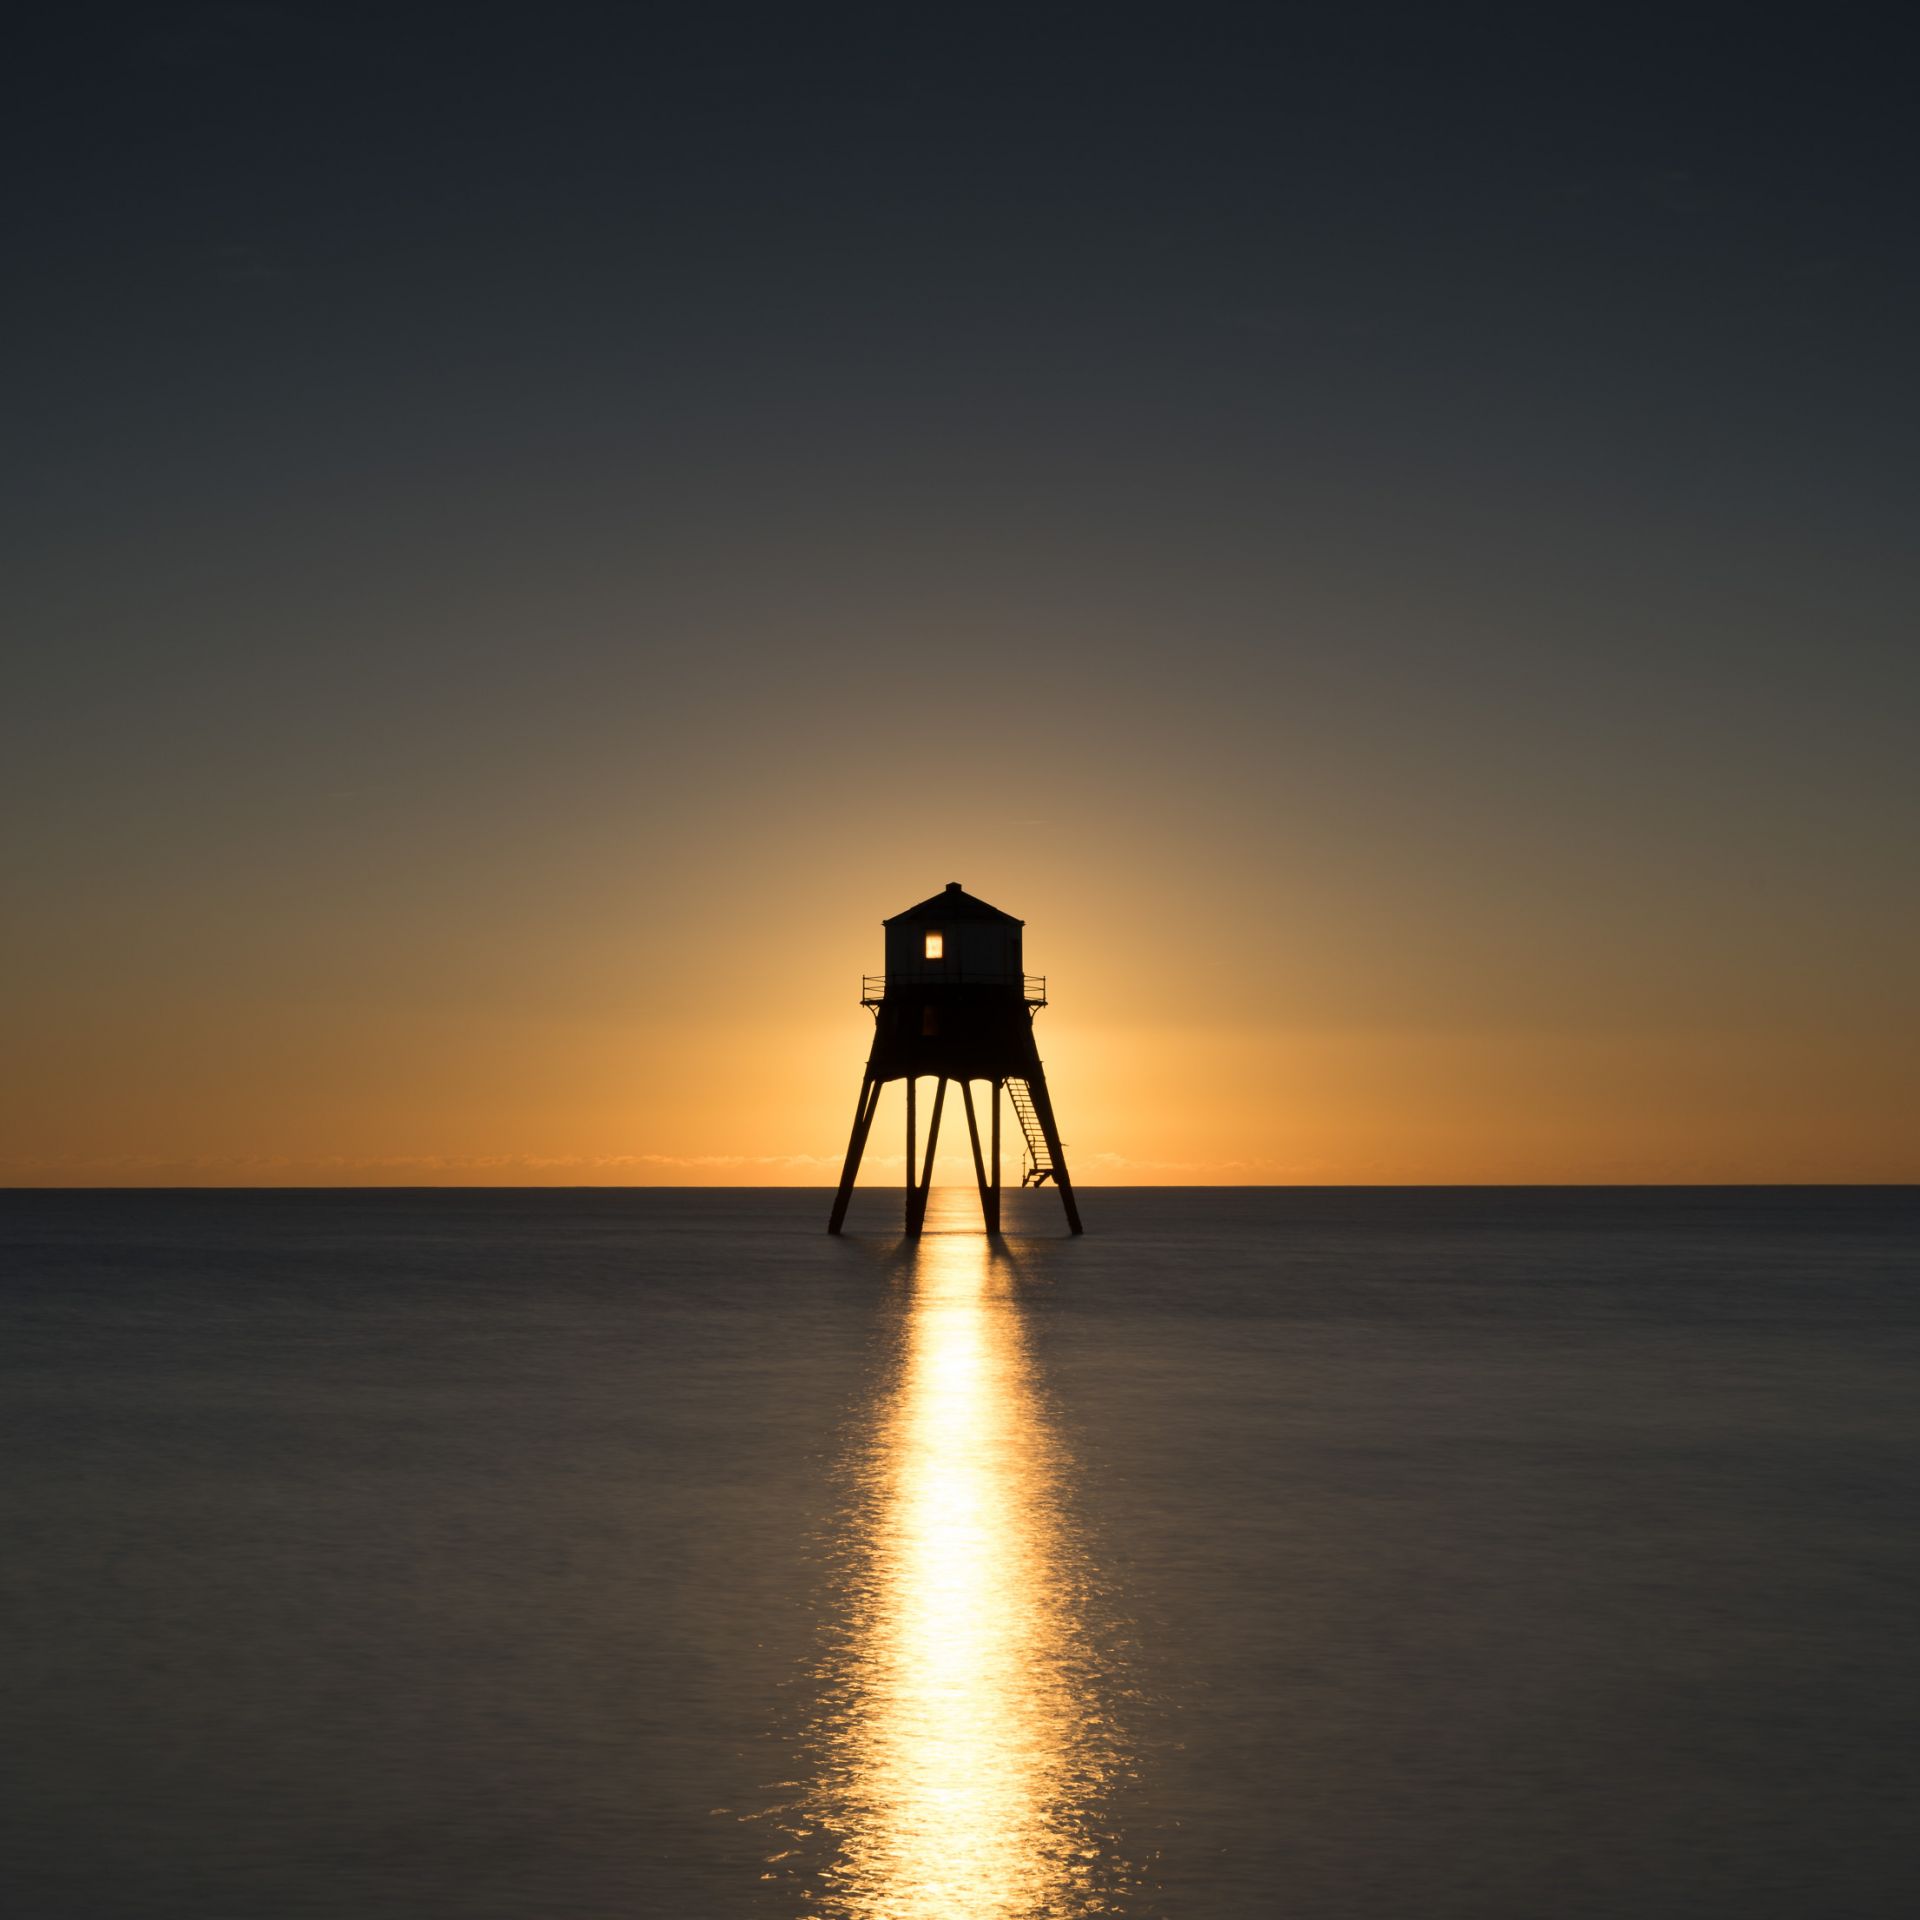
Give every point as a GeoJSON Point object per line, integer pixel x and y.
{"type": "Point", "coordinates": [953, 886]}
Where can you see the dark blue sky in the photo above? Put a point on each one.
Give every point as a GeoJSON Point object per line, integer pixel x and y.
{"type": "Point", "coordinates": [279, 249]}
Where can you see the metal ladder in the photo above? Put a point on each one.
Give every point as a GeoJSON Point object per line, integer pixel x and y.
{"type": "Point", "coordinates": [1040, 1167]}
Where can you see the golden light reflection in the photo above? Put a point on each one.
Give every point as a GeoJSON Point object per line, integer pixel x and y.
{"type": "Point", "coordinates": [971, 1737]}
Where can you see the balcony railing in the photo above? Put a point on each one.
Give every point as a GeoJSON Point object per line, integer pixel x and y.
{"type": "Point", "coordinates": [1033, 986]}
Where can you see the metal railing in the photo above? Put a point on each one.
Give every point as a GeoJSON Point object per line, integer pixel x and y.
{"type": "Point", "coordinates": [1033, 986]}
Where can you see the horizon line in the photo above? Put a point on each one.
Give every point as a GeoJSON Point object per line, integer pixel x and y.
{"type": "Point", "coordinates": [1108, 1186]}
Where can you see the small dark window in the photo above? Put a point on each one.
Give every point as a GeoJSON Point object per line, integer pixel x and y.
{"type": "Point", "coordinates": [929, 1020]}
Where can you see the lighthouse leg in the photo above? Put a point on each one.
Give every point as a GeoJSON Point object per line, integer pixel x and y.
{"type": "Point", "coordinates": [993, 1216]}
{"type": "Point", "coordinates": [979, 1165]}
{"type": "Point", "coordinates": [1043, 1106]}
{"type": "Point", "coordinates": [912, 1130]}
{"type": "Point", "coordinates": [863, 1111]}
{"type": "Point", "coordinates": [917, 1199]}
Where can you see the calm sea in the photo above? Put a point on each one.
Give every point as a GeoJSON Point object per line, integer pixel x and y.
{"type": "Point", "coordinates": [1419, 1553]}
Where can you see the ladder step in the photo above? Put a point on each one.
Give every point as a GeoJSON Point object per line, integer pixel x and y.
{"type": "Point", "coordinates": [1040, 1168]}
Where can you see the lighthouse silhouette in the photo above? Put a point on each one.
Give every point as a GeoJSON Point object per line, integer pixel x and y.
{"type": "Point", "coordinates": [955, 1003]}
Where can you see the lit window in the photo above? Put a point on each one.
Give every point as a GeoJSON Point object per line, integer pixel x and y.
{"type": "Point", "coordinates": [936, 946]}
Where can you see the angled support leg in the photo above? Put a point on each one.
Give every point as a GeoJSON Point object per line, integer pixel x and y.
{"type": "Point", "coordinates": [917, 1199]}
{"type": "Point", "coordinates": [979, 1165]}
{"type": "Point", "coordinates": [863, 1112]}
{"type": "Point", "coordinates": [1043, 1107]}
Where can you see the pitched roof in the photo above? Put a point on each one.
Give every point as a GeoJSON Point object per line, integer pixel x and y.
{"type": "Point", "coordinates": [953, 904]}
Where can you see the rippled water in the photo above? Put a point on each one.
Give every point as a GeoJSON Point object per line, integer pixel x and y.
{"type": "Point", "coordinates": [1364, 1553]}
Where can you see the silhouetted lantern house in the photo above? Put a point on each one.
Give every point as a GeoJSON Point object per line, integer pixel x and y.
{"type": "Point", "coordinates": [956, 1004]}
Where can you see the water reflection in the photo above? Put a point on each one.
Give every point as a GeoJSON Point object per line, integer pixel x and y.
{"type": "Point", "coordinates": [971, 1734]}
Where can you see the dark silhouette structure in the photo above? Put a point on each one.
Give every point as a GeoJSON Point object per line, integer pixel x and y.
{"type": "Point", "coordinates": [955, 1004]}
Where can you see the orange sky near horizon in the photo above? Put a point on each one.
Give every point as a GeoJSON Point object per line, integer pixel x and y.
{"type": "Point", "coordinates": [507, 1020]}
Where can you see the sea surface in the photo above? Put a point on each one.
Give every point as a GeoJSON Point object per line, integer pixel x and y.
{"type": "Point", "coordinates": [1263, 1553]}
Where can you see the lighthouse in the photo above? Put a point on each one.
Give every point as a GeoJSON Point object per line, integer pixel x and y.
{"type": "Point", "coordinates": [956, 1004]}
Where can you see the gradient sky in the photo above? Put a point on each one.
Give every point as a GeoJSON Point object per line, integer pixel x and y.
{"type": "Point", "coordinates": [1386, 535]}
